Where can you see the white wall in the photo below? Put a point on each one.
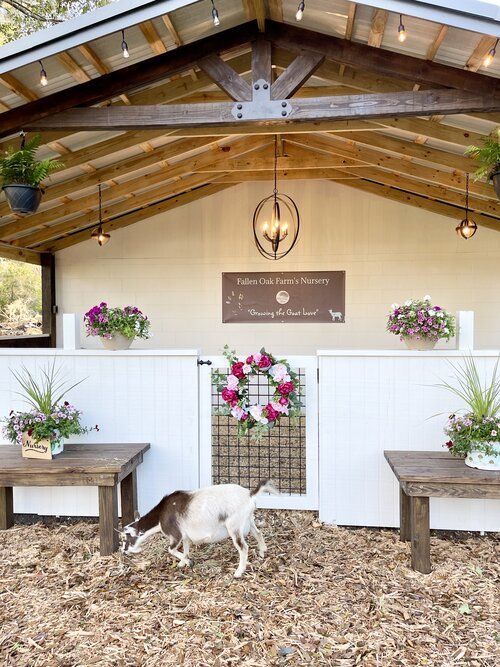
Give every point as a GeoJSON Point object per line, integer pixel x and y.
{"type": "Point", "coordinates": [171, 265]}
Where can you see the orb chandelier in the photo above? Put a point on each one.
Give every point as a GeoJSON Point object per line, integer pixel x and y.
{"type": "Point", "coordinates": [467, 228]}
{"type": "Point", "coordinates": [98, 234]}
{"type": "Point", "coordinates": [276, 220]}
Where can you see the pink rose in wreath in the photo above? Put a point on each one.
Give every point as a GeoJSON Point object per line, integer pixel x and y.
{"type": "Point", "coordinates": [265, 362]}
{"type": "Point", "coordinates": [271, 413]}
{"type": "Point", "coordinates": [228, 395]}
{"type": "Point", "coordinates": [286, 388]}
{"type": "Point", "coordinates": [250, 359]}
{"type": "Point", "coordinates": [237, 370]}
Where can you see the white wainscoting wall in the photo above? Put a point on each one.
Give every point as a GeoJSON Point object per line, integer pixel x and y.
{"type": "Point", "coordinates": [374, 400]}
{"type": "Point", "coordinates": [134, 396]}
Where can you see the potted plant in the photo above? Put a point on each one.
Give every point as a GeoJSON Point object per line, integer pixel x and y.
{"type": "Point", "coordinates": [475, 433]}
{"type": "Point", "coordinates": [49, 420]}
{"type": "Point", "coordinates": [420, 324]}
{"type": "Point", "coordinates": [488, 156]}
{"type": "Point", "coordinates": [116, 327]}
{"type": "Point", "coordinates": [22, 174]}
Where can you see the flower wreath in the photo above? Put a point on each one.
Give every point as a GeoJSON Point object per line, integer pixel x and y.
{"type": "Point", "coordinates": [234, 390]}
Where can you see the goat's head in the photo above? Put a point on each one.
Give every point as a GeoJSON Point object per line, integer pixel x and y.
{"type": "Point", "coordinates": [129, 536]}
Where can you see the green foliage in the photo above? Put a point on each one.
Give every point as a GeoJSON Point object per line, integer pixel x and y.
{"type": "Point", "coordinates": [21, 166]}
{"type": "Point", "coordinates": [482, 400]}
{"type": "Point", "coordinates": [24, 17]}
{"type": "Point", "coordinates": [488, 155]}
{"type": "Point", "coordinates": [20, 282]}
{"type": "Point", "coordinates": [43, 394]}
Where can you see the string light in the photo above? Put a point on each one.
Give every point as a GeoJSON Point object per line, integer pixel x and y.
{"type": "Point", "coordinates": [401, 30]}
{"type": "Point", "coordinates": [467, 227]}
{"type": "Point", "coordinates": [490, 56]}
{"type": "Point", "coordinates": [98, 234]}
{"type": "Point", "coordinates": [125, 52]}
{"type": "Point", "coordinates": [300, 10]}
{"type": "Point", "coordinates": [215, 15]}
{"type": "Point", "coordinates": [43, 75]}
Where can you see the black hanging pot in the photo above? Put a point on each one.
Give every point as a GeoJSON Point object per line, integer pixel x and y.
{"type": "Point", "coordinates": [22, 198]}
{"type": "Point", "coordinates": [495, 177]}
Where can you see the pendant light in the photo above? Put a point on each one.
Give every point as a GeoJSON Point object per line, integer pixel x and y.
{"type": "Point", "coordinates": [490, 56]}
{"type": "Point", "coordinates": [98, 234]}
{"type": "Point", "coordinates": [276, 220]}
{"type": "Point", "coordinates": [467, 228]}
{"type": "Point", "coordinates": [43, 75]}
{"type": "Point", "coordinates": [215, 15]}
{"type": "Point", "coordinates": [125, 52]}
{"type": "Point", "coordinates": [401, 30]}
{"type": "Point", "coordinates": [300, 10]}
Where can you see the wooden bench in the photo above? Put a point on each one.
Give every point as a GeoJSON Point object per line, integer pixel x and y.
{"type": "Point", "coordinates": [422, 475]}
{"type": "Point", "coordinates": [101, 465]}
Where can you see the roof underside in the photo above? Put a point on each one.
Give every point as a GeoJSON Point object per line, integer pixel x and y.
{"type": "Point", "coordinates": [414, 160]}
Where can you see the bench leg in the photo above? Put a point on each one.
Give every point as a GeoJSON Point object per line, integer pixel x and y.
{"type": "Point", "coordinates": [108, 519]}
{"type": "Point", "coordinates": [6, 507]}
{"type": "Point", "coordinates": [404, 516]}
{"type": "Point", "coordinates": [420, 534]}
{"type": "Point", "coordinates": [128, 493]}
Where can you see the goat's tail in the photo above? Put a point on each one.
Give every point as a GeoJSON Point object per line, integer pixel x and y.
{"type": "Point", "coordinates": [265, 486]}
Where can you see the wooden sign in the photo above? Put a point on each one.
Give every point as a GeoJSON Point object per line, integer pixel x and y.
{"type": "Point", "coordinates": [36, 450]}
{"type": "Point", "coordinates": [289, 296]}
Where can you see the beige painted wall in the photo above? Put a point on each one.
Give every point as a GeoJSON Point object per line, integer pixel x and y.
{"type": "Point", "coordinates": [170, 266]}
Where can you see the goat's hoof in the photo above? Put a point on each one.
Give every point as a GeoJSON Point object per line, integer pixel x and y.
{"type": "Point", "coordinates": [238, 575]}
{"type": "Point", "coordinates": [262, 554]}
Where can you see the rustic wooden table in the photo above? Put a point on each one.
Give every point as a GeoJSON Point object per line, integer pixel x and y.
{"type": "Point", "coordinates": [422, 475]}
{"type": "Point", "coordinates": [101, 465]}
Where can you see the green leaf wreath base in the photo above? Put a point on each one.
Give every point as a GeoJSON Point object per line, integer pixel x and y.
{"type": "Point", "coordinates": [255, 419]}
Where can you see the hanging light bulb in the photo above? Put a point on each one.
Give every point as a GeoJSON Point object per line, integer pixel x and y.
{"type": "Point", "coordinates": [215, 15]}
{"type": "Point", "coordinates": [43, 75]}
{"type": "Point", "coordinates": [467, 227]}
{"type": "Point", "coordinates": [125, 52]}
{"type": "Point", "coordinates": [401, 30]}
{"type": "Point", "coordinates": [300, 10]}
{"type": "Point", "coordinates": [98, 234]}
{"type": "Point", "coordinates": [490, 56]}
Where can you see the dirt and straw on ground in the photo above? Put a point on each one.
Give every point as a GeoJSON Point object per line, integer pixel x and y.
{"type": "Point", "coordinates": [322, 596]}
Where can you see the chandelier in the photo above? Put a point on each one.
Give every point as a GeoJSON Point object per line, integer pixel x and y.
{"type": "Point", "coordinates": [276, 220]}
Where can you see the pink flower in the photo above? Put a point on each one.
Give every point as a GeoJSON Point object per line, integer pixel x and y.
{"type": "Point", "coordinates": [272, 414]}
{"type": "Point", "coordinates": [237, 370]}
{"type": "Point", "coordinates": [228, 395]}
{"type": "Point", "coordinates": [249, 359]}
{"type": "Point", "coordinates": [279, 407]}
{"type": "Point", "coordinates": [284, 400]}
{"type": "Point", "coordinates": [264, 362]}
{"type": "Point", "coordinates": [257, 357]}
{"type": "Point", "coordinates": [286, 388]}
{"type": "Point", "coordinates": [237, 412]}
{"type": "Point", "coordinates": [232, 382]}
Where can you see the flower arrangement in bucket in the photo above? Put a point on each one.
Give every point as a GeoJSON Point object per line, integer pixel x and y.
{"type": "Point", "coordinates": [42, 429]}
{"type": "Point", "coordinates": [420, 324]}
{"type": "Point", "coordinates": [255, 419]}
{"type": "Point", "coordinates": [475, 433]}
{"type": "Point", "coordinates": [116, 327]}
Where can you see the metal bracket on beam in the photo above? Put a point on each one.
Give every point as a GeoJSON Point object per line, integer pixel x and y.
{"type": "Point", "coordinates": [261, 107]}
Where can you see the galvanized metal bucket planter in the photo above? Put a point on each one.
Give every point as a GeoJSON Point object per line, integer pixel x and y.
{"type": "Point", "coordinates": [22, 198]}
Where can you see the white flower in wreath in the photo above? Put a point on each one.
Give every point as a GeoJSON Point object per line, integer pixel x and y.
{"type": "Point", "coordinates": [232, 382]}
{"type": "Point", "coordinates": [278, 372]}
{"type": "Point", "coordinates": [247, 369]}
{"type": "Point", "coordinates": [431, 312]}
{"type": "Point", "coordinates": [283, 409]}
{"type": "Point", "coordinates": [256, 412]}
{"type": "Point", "coordinates": [237, 412]}
{"type": "Point", "coordinates": [264, 420]}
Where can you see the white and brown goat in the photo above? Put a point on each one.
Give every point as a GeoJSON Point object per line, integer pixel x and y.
{"type": "Point", "coordinates": [204, 516]}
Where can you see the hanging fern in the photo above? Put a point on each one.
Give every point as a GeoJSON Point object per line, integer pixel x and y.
{"type": "Point", "coordinates": [488, 155]}
{"type": "Point", "coordinates": [22, 167]}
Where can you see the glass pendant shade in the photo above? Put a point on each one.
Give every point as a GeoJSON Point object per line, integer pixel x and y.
{"type": "Point", "coordinates": [98, 234]}
{"type": "Point", "coordinates": [466, 228]}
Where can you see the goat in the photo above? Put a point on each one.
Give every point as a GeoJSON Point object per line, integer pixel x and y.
{"type": "Point", "coordinates": [204, 516]}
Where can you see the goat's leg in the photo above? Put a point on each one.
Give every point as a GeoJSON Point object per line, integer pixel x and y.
{"type": "Point", "coordinates": [255, 532]}
{"type": "Point", "coordinates": [185, 560]}
{"type": "Point", "coordinates": [242, 547]}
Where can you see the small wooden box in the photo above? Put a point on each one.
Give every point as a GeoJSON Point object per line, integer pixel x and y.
{"type": "Point", "coordinates": [36, 450]}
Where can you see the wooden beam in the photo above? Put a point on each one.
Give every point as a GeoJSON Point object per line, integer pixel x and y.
{"type": "Point", "coordinates": [284, 164]}
{"type": "Point", "coordinates": [454, 212]}
{"type": "Point", "coordinates": [430, 129]}
{"type": "Point", "coordinates": [275, 9]}
{"type": "Point", "coordinates": [475, 60]}
{"type": "Point", "coordinates": [18, 88]}
{"type": "Point", "coordinates": [349, 27]}
{"type": "Point", "coordinates": [136, 216]}
{"type": "Point", "coordinates": [261, 61]}
{"type": "Point", "coordinates": [422, 102]}
{"type": "Point", "coordinates": [168, 23]}
{"type": "Point", "coordinates": [127, 78]}
{"type": "Point", "coordinates": [260, 13]}
{"type": "Point", "coordinates": [377, 27]}
{"type": "Point", "coordinates": [436, 42]}
{"type": "Point", "coordinates": [225, 77]}
{"type": "Point", "coordinates": [379, 61]}
{"type": "Point", "coordinates": [295, 75]}
{"type": "Point", "coordinates": [152, 37]}
{"type": "Point", "coordinates": [97, 63]}
{"type": "Point", "coordinates": [291, 175]}
{"type": "Point", "coordinates": [20, 254]}
{"type": "Point", "coordinates": [70, 64]}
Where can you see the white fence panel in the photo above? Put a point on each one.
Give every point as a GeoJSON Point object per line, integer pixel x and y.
{"type": "Point", "coordinates": [372, 401]}
{"type": "Point", "coordinates": [134, 396]}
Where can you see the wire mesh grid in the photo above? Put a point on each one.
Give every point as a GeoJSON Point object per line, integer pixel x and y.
{"type": "Point", "coordinates": [280, 455]}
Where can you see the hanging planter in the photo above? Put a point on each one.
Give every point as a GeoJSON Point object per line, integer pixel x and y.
{"type": "Point", "coordinates": [22, 174]}
{"type": "Point", "coordinates": [488, 156]}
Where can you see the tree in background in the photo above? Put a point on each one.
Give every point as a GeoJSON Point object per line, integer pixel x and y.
{"type": "Point", "coordinates": [20, 297]}
{"type": "Point", "coordinates": [19, 18]}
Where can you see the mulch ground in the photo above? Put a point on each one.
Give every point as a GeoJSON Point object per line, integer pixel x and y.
{"type": "Point", "coordinates": [322, 596]}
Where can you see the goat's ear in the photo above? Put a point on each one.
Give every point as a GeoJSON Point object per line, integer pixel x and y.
{"type": "Point", "coordinates": [137, 516]}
